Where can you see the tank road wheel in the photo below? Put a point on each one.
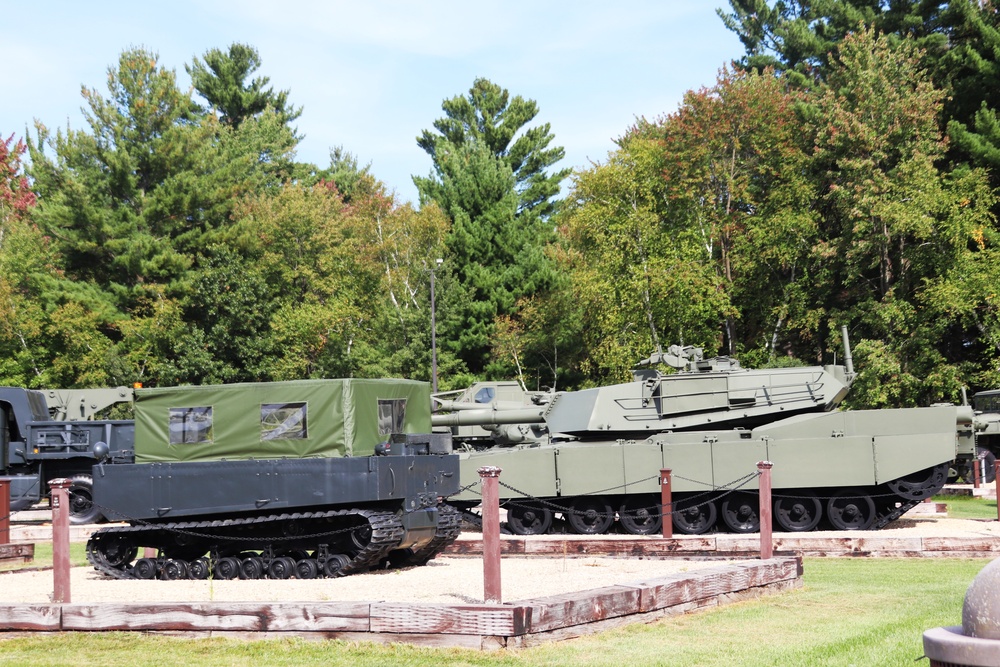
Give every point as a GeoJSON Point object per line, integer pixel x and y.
{"type": "Point", "coordinates": [307, 568]}
{"type": "Point", "coordinates": [925, 483]}
{"type": "Point", "coordinates": [590, 516]}
{"type": "Point", "coordinates": [81, 501]}
{"type": "Point", "coordinates": [145, 568]}
{"type": "Point", "coordinates": [335, 564]}
{"type": "Point", "coordinates": [175, 569]}
{"type": "Point", "coordinates": [282, 567]}
{"type": "Point", "coordinates": [199, 569]}
{"type": "Point", "coordinates": [692, 518]}
{"type": "Point", "coordinates": [741, 512]}
{"type": "Point", "coordinates": [227, 568]}
{"type": "Point", "coordinates": [252, 567]}
{"type": "Point", "coordinates": [797, 513]}
{"type": "Point", "coordinates": [524, 518]}
{"type": "Point", "coordinates": [850, 509]}
{"type": "Point", "coordinates": [641, 515]}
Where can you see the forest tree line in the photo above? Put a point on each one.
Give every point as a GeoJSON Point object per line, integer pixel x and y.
{"type": "Point", "coordinates": [843, 172]}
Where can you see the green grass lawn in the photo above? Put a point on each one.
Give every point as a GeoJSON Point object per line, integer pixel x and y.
{"type": "Point", "coordinates": [43, 557]}
{"type": "Point", "coordinates": [967, 507]}
{"type": "Point", "coordinates": [865, 612]}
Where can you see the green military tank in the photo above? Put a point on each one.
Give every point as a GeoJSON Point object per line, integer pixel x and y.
{"type": "Point", "coordinates": [588, 461]}
{"type": "Point", "coordinates": [306, 478]}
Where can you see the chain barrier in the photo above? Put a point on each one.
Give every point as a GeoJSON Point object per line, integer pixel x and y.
{"type": "Point", "coordinates": [529, 501]}
{"type": "Point", "coordinates": [467, 487]}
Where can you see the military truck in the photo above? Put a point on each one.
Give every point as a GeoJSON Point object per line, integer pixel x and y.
{"type": "Point", "coordinates": [986, 405]}
{"type": "Point", "coordinates": [304, 478]}
{"type": "Point", "coordinates": [51, 433]}
{"type": "Point", "coordinates": [596, 467]}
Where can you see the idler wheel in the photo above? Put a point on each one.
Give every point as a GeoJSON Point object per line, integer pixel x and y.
{"type": "Point", "coordinates": [174, 569]}
{"type": "Point", "coordinates": [227, 568]}
{"type": "Point", "coordinates": [361, 536]}
{"type": "Point", "coordinates": [741, 512]}
{"type": "Point", "coordinates": [524, 518]}
{"type": "Point", "coordinates": [694, 518]}
{"type": "Point", "coordinates": [145, 568]}
{"type": "Point", "coordinates": [590, 516]}
{"type": "Point", "coordinates": [641, 515]}
{"type": "Point", "coordinates": [850, 509]}
{"type": "Point", "coordinates": [922, 484]}
{"type": "Point", "coordinates": [307, 568]}
{"type": "Point", "coordinates": [799, 511]}
{"type": "Point", "coordinates": [116, 550]}
{"type": "Point", "coordinates": [199, 569]}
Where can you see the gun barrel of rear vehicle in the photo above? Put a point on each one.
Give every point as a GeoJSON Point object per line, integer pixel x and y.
{"type": "Point", "coordinates": [489, 416]}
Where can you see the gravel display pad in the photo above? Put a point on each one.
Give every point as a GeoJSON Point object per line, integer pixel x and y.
{"type": "Point", "coordinates": [443, 580]}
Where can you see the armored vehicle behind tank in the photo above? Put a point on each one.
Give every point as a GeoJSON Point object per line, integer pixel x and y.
{"type": "Point", "coordinates": [597, 466]}
{"type": "Point", "coordinates": [304, 478]}
{"type": "Point", "coordinates": [986, 405]}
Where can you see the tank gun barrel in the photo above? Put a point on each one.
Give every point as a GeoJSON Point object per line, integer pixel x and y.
{"type": "Point", "coordinates": [440, 405]}
{"type": "Point", "coordinates": [486, 416]}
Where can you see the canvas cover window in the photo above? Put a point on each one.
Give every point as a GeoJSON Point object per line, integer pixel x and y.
{"type": "Point", "coordinates": [190, 425]}
{"type": "Point", "coordinates": [391, 415]}
{"type": "Point", "coordinates": [283, 421]}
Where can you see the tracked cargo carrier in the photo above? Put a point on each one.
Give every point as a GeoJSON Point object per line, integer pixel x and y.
{"type": "Point", "coordinates": [305, 478]}
{"type": "Point", "coordinates": [589, 461]}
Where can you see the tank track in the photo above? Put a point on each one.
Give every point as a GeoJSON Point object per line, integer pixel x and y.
{"type": "Point", "coordinates": [448, 529]}
{"type": "Point", "coordinates": [884, 519]}
{"type": "Point", "coordinates": [111, 550]}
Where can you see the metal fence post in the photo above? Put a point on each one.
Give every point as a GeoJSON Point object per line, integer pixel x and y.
{"type": "Point", "coordinates": [766, 548]}
{"type": "Point", "coordinates": [4, 512]}
{"type": "Point", "coordinates": [489, 476]}
{"type": "Point", "coordinates": [996, 483]}
{"type": "Point", "coordinates": [666, 503]}
{"type": "Point", "coordinates": [60, 539]}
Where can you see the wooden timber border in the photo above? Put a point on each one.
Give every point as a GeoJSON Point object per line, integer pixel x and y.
{"type": "Point", "coordinates": [814, 544]}
{"type": "Point", "coordinates": [481, 626]}
{"type": "Point", "coordinates": [17, 552]}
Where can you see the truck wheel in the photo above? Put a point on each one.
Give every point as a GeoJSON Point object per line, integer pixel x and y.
{"type": "Point", "coordinates": [81, 501]}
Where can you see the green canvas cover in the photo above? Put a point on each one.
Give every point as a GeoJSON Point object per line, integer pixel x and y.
{"type": "Point", "coordinates": [300, 418]}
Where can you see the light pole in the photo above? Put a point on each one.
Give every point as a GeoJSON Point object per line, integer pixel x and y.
{"type": "Point", "coordinates": [434, 347]}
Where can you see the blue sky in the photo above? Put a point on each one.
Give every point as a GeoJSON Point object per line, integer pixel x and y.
{"type": "Point", "coordinates": [371, 75]}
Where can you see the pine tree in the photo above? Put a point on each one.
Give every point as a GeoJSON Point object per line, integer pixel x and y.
{"type": "Point", "coordinates": [490, 177]}
{"type": "Point", "coordinates": [222, 80]}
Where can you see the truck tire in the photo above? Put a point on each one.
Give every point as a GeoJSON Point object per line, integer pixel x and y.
{"type": "Point", "coordinates": [81, 501]}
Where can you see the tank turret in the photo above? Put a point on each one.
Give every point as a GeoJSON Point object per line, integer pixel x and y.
{"type": "Point", "coordinates": [701, 393]}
